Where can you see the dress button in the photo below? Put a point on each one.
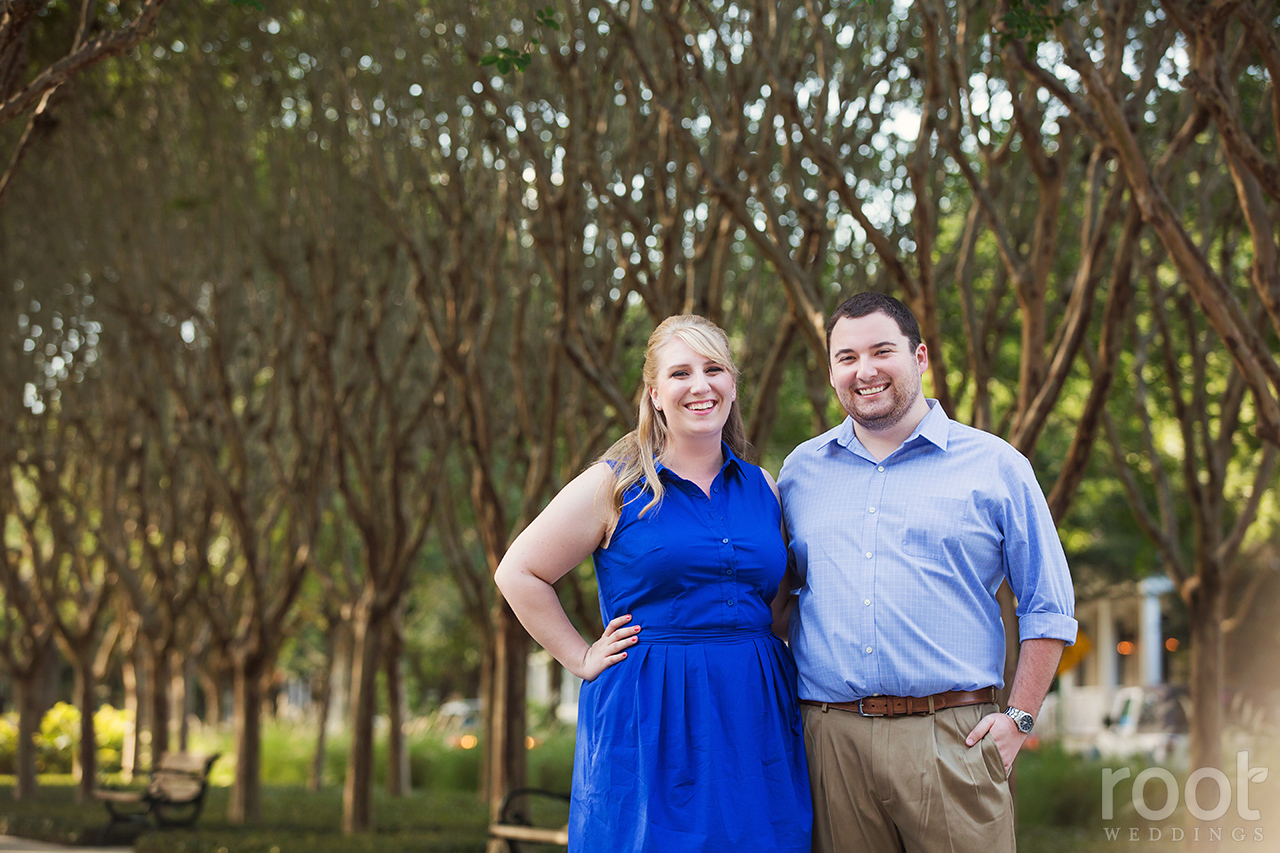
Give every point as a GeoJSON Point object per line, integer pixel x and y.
{"type": "Point", "coordinates": [879, 467]}
{"type": "Point", "coordinates": [868, 650]}
{"type": "Point", "coordinates": [868, 555]}
{"type": "Point", "coordinates": [730, 602]}
{"type": "Point", "coordinates": [725, 541]}
{"type": "Point", "coordinates": [728, 571]}
{"type": "Point", "coordinates": [871, 510]}
{"type": "Point", "coordinates": [867, 602]}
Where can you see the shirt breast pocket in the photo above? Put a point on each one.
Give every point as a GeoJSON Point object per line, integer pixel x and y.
{"type": "Point", "coordinates": [933, 523]}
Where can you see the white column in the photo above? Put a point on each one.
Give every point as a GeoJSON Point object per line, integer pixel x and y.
{"type": "Point", "coordinates": [1150, 636]}
{"type": "Point", "coordinates": [570, 685]}
{"type": "Point", "coordinates": [1106, 653]}
{"type": "Point", "coordinates": [538, 687]}
{"type": "Point", "coordinates": [1066, 702]}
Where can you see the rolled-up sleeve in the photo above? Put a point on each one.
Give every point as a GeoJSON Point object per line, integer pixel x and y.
{"type": "Point", "coordinates": [1035, 563]}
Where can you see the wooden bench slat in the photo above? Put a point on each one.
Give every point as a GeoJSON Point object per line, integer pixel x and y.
{"type": "Point", "coordinates": [182, 762]}
{"type": "Point", "coordinates": [177, 790]}
{"type": "Point", "coordinates": [529, 833]}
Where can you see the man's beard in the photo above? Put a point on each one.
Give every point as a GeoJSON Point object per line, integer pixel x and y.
{"type": "Point", "coordinates": [880, 420]}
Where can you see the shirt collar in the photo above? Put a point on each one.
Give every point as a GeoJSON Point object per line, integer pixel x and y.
{"type": "Point", "coordinates": [934, 427]}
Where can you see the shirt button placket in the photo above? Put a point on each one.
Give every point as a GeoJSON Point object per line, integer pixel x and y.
{"type": "Point", "coordinates": [875, 500]}
{"type": "Point", "coordinates": [716, 517]}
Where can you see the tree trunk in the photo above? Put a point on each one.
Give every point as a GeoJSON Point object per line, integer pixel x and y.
{"type": "Point", "coordinates": [357, 792]}
{"type": "Point", "coordinates": [212, 687]}
{"type": "Point", "coordinates": [87, 754]}
{"type": "Point", "coordinates": [506, 755]}
{"type": "Point", "coordinates": [146, 753]}
{"type": "Point", "coordinates": [1205, 605]}
{"type": "Point", "coordinates": [246, 792]}
{"type": "Point", "coordinates": [181, 667]}
{"type": "Point", "coordinates": [398, 781]}
{"type": "Point", "coordinates": [323, 699]}
{"type": "Point", "coordinates": [27, 697]}
{"type": "Point", "coordinates": [556, 694]}
{"type": "Point", "coordinates": [342, 673]}
{"type": "Point", "coordinates": [158, 670]}
{"type": "Point", "coordinates": [177, 696]}
{"type": "Point", "coordinates": [485, 694]}
{"type": "Point", "coordinates": [129, 750]}
{"type": "Point", "coordinates": [1207, 661]}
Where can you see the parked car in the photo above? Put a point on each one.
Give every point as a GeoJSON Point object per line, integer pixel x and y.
{"type": "Point", "coordinates": [1148, 722]}
{"type": "Point", "coordinates": [458, 720]}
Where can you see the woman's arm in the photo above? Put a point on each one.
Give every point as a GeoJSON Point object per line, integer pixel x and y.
{"type": "Point", "coordinates": [562, 536]}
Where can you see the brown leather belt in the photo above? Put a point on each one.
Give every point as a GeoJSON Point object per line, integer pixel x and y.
{"type": "Point", "coordinates": [898, 706]}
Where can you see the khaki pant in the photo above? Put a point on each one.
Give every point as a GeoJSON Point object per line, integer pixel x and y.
{"type": "Point", "coordinates": [908, 784]}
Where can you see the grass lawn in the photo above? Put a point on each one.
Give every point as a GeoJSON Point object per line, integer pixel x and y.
{"type": "Point", "coordinates": [1058, 812]}
{"type": "Point", "coordinates": [293, 819]}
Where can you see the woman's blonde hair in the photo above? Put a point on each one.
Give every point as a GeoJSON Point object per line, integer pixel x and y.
{"type": "Point", "coordinates": [632, 457]}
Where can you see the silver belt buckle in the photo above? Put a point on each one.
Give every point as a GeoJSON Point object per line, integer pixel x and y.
{"type": "Point", "coordinates": [864, 713]}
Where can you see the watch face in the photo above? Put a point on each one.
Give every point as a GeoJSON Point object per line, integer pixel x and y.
{"type": "Point", "coordinates": [1024, 721]}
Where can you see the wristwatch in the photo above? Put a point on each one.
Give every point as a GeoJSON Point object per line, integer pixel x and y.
{"type": "Point", "coordinates": [1022, 719]}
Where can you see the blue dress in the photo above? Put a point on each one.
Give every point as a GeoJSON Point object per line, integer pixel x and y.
{"type": "Point", "coordinates": [694, 741]}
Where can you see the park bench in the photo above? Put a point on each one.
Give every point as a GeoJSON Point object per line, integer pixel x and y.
{"type": "Point", "coordinates": [173, 797]}
{"type": "Point", "coordinates": [516, 817]}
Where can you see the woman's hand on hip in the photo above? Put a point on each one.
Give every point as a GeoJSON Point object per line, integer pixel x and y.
{"type": "Point", "coordinates": [611, 648]}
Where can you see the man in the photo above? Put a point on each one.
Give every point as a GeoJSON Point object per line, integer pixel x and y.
{"type": "Point", "coordinates": [903, 524]}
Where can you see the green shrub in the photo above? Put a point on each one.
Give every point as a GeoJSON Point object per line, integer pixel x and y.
{"type": "Point", "coordinates": [8, 744]}
{"type": "Point", "coordinates": [110, 726]}
{"type": "Point", "coordinates": [437, 766]}
{"type": "Point", "coordinates": [56, 739]}
{"type": "Point", "coordinates": [551, 761]}
{"type": "Point", "coordinates": [1057, 789]}
{"type": "Point", "coordinates": [287, 753]}
{"type": "Point", "coordinates": [59, 736]}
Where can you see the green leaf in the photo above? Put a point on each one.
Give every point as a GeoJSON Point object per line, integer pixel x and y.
{"type": "Point", "coordinates": [547, 18]}
{"type": "Point", "coordinates": [507, 58]}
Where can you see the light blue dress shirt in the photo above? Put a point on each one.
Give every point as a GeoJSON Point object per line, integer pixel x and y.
{"type": "Point", "coordinates": [898, 561]}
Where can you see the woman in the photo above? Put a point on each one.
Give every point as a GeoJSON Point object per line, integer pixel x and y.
{"type": "Point", "coordinates": [689, 734]}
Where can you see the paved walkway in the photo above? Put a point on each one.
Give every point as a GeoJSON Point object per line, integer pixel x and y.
{"type": "Point", "coordinates": [9, 844]}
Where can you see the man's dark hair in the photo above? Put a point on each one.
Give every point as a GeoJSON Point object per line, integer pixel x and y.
{"type": "Point", "coordinates": [869, 302]}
